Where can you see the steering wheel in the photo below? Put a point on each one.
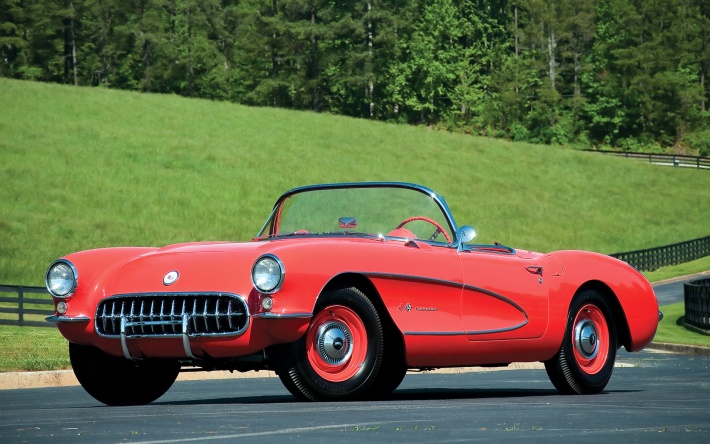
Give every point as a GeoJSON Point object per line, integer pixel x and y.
{"type": "Point", "coordinates": [439, 228]}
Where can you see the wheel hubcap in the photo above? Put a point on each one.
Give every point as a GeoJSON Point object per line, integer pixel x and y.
{"type": "Point", "coordinates": [590, 339]}
{"type": "Point", "coordinates": [586, 336]}
{"type": "Point", "coordinates": [334, 342]}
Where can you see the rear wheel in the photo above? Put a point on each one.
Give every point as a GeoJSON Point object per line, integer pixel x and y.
{"type": "Point", "coordinates": [118, 381]}
{"type": "Point", "coordinates": [341, 354]}
{"type": "Point", "coordinates": [585, 361]}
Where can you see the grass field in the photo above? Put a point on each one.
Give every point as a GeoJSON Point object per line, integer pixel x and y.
{"type": "Point", "coordinates": [84, 168]}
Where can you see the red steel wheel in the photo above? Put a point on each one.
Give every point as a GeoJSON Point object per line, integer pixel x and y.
{"type": "Point", "coordinates": [340, 357]}
{"type": "Point", "coordinates": [585, 360]}
{"type": "Point", "coordinates": [336, 343]}
{"type": "Point", "coordinates": [590, 339]}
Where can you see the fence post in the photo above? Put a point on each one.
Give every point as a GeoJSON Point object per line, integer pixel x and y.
{"type": "Point", "coordinates": [21, 306]}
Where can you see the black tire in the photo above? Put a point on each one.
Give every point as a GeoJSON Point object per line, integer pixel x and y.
{"type": "Point", "coordinates": [117, 381]}
{"type": "Point", "coordinates": [341, 355]}
{"type": "Point", "coordinates": [394, 367]}
{"type": "Point", "coordinates": [585, 361]}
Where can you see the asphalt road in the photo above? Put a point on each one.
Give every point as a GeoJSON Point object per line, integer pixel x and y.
{"type": "Point", "coordinates": [669, 292]}
{"type": "Point", "coordinates": [653, 398]}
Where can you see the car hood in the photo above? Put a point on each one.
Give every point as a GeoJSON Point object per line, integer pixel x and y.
{"type": "Point", "coordinates": [200, 267]}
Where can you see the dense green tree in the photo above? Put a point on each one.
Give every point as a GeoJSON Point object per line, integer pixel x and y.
{"type": "Point", "coordinates": [629, 74]}
{"type": "Point", "coordinates": [12, 41]}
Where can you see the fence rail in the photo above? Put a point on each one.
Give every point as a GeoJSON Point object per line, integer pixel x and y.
{"type": "Point", "coordinates": [697, 303]}
{"type": "Point", "coordinates": [25, 311]}
{"type": "Point", "coordinates": [677, 160]}
{"type": "Point", "coordinates": [674, 254]}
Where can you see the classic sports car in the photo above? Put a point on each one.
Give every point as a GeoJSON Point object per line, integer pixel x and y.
{"type": "Point", "coordinates": [344, 289]}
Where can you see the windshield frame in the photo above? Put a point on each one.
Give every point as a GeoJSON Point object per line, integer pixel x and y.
{"type": "Point", "coordinates": [438, 200]}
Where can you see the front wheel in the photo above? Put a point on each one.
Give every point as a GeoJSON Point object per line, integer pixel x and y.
{"type": "Point", "coordinates": [117, 381]}
{"type": "Point", "coordinates": [585, 361]}
{"type": "Point", "coordinates": [341, 354]}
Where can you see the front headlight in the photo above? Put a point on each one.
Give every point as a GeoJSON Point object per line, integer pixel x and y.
{"type": "Point", "coordinates": [267, 274]}
{"type": "Point", "coordinates": [61, 278]}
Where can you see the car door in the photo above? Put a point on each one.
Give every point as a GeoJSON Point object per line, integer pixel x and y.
{"type": "Point", "coordinates": [505, 295]}
{"type": "Point", "coordinates": [420, 285]}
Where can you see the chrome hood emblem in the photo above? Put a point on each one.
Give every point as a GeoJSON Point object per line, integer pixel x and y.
{"type": "Point", "coordinates": [171, 277]}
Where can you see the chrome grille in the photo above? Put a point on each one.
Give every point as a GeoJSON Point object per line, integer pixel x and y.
{"type": "Point", "coordinates": [172, 314]}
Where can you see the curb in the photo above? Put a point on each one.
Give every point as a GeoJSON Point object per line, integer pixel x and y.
{"type": "Point", "coordinates": [691, 350]}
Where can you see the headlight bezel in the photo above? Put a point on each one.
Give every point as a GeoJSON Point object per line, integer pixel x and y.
{"type": "Point", "coordinates": [69, 289]}
{"type": "Point", "coordinates": [279, 276]}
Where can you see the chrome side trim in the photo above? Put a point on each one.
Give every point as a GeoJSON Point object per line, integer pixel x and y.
{"type": "Point", "coordinates": [497, 330]}
{"type": "Point", "coordinates": [466, 333]}
{"type": "Point", "coordinates": [410, 277]}
{"type": "Point", "coordinates": [268, 315]}
{"type": "Point", "coordinates": [68, 319]}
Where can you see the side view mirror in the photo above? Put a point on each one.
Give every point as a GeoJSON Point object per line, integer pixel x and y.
{"type": "Point", "coordinates": [463, 235]}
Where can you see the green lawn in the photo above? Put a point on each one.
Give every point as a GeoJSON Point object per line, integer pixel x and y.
{"type": "Point", "coordinates": [32, 349]}
{"type": "Point", "coordinates": [86, 167]}
{"type": "Point", "coordinates": [670, 332]}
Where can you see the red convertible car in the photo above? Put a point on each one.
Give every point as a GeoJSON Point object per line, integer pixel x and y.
{"type": "Point", "coordinates": [344, 289]}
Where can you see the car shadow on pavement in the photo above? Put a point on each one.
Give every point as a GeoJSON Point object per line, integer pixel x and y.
{"type": "Point", "coordinates": [435, 394]}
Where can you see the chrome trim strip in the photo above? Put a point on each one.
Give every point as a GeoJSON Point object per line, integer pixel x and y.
{"type": "Point", "coordinates": [186, 337]}
{"type": "Point", "coordinates": [124, 343]}
{"type": "Point", "coordinates": [496, 330]}
{"type": "Point", "coordinates": [57, 319]}
{"type": "Point", "coordinates": [268, 315]}
{"type": "Point", "coordinates": [466, 333]}
{"type": "Point", "coordinates": [410, 277]}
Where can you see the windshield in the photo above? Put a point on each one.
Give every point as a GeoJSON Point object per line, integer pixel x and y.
{"type": "Point", "coordinates": [389, 210]}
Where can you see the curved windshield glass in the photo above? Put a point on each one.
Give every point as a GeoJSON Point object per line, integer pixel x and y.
{"type": "Point", "coordinates": [370, 210]}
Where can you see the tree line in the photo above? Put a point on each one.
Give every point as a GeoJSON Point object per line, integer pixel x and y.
{"type": "Point", "coordinates": [628, 74]}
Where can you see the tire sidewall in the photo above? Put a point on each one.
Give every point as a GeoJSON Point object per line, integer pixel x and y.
{"type": "Point", "coordinates": [361, 380]}
{"type": "Point", "coordinates": [596, 381]}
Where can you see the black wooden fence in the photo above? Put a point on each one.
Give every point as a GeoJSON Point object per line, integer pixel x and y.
{"type": "Point", "coordinates": [655, 258]}
{"type": "Point", "coordinates": [697, 303]}
{"type": "Point", "coordinates": [676, 160]}
{"type": "Point", "coordinates": [18, 309]}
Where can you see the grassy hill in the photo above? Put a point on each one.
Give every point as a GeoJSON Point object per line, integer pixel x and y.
{"type": "Point", "coordinates": [85, 168]}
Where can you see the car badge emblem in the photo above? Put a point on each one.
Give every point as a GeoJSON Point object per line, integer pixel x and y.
{"type": "Point", "coordinates": [170, 278]}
